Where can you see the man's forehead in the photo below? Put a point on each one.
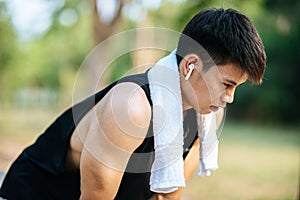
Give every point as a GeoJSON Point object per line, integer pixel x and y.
{"type": "Point", "coordinates": [233, 73]}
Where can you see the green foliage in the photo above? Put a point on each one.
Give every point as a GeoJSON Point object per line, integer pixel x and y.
{"type": "Point", "coordinates": [277, 98]}
{"type": "Point", "coordinates": [7, 43]}
{"type": "Point", "coordinates": [52, 60]}
{"type": "Point", "coordinates": [121, 66]}
{"type": "Point", "coordinates": [41, 63]}
{"type": "Point", "coordinates": [7, 49]}
{"type": "Point", "coordinates": [278, 23]}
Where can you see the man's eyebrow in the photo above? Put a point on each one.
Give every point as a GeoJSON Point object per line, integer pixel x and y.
{"type": "Point", "coordinates": [231, 81]}
{"type": "Point", "coordinates": [234, 83]}
{"type": "Point", "coordinates": [242, 83]}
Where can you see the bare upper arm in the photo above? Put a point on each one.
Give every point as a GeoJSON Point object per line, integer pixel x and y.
{"type": "Point", "coordinates": [118, 126]}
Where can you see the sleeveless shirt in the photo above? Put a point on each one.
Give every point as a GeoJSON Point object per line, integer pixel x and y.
{"type": "Point", "coordinates": [40, 171]}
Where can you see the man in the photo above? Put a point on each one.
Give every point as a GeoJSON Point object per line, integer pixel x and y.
{"type": "Point", "coordinates": [105, 147]}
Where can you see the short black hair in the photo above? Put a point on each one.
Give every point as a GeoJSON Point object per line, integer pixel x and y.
{"type": "Point", "coordinates": [228, 37]}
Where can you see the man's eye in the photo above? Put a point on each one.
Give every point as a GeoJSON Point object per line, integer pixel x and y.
{"type": "Point", "coordinates": [227, 85]}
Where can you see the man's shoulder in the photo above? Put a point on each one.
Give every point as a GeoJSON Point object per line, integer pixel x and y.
{"type": "Point", "coordinates": [126, 99]}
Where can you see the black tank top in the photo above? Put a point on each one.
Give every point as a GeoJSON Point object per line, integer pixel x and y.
{"type": "Point", "coordinates": [40, 172]}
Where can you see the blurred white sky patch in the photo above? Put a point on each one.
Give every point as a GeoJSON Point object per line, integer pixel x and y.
{"type": "Point", "coordinates": [135, 12]}
{"type": "Point", "coordinates": [107, 9]}
{"type": "Point", "coordinates": [153, 4]}
{"type": "Point", "coordinates": [68, 17]}
{"type": "Point", "coordinates": [32, 18]}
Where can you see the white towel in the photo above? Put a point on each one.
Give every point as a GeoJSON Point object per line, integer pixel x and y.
{"type": "Point", "coordinates": [167, 172]}
{"type": "Point", "coordinates": [207, 126]}
{"type": "Point", "coordinates": [167, 168]}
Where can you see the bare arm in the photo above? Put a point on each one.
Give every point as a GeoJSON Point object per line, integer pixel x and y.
{"type": "Point", "coordinates": [190, 163]}
{"type": "Point", "coordinates": [118, 127]}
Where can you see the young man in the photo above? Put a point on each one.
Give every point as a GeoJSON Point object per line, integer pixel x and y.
{"type": "Point", "coordinates": [104, 148]}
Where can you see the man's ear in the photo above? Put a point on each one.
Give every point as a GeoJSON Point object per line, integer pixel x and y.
{"type": "Point", "coordinates": [191, 59]}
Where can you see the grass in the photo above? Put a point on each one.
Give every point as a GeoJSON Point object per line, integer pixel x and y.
{"type": "Point", "coordinates": [255, 162]}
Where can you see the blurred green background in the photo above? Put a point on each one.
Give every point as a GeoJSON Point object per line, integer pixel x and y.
{"type": "Point", "coordinates": [43, 44]}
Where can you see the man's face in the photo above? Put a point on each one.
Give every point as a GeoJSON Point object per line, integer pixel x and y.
{"type": "Point", "coordinates": [215, 88]}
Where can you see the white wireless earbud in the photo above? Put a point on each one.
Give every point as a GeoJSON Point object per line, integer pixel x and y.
{"type": "Point", "coordinates": [191, 68]}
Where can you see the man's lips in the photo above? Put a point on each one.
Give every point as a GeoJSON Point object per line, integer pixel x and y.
{"type": "Point", "coordinates": [215, 108]}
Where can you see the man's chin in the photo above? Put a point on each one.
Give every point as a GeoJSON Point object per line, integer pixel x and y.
{"type": "Point", "coordinates": [204, 111]}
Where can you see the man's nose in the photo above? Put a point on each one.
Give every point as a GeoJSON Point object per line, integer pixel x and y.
{"type": "Point", "coordinates": [228, 97]}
